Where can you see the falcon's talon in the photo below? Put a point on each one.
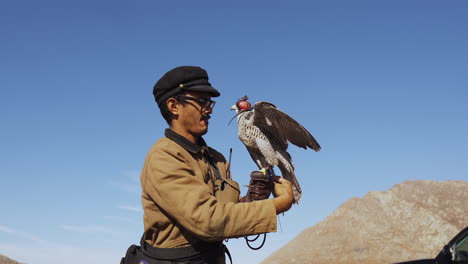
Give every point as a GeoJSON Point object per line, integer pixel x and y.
{"type": "Point", "coordinates": [271, 172]}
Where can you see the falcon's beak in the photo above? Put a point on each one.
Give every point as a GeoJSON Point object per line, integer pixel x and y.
{"type": "Point", "coordinates": [235, 108]}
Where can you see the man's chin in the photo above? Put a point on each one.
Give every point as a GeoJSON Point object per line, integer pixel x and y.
{"type": "Point", "coordinates": [205, 129]}
{"type": "Point", "coordinates": [202, 132]}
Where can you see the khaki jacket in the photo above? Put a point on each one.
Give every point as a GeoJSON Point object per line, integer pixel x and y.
{"type": "Point", "coordinates": [179, 203]}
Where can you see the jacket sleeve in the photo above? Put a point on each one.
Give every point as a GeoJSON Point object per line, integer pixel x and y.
{"type": "Point", "coordinates": [173, 184]}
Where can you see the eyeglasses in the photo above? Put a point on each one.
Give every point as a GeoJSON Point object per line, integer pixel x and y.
{"type": "Point", "coordinates": [204, 103]}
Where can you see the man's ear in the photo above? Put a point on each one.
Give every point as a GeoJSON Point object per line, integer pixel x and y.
{"type": "Point", "coordinates": [173, 106]}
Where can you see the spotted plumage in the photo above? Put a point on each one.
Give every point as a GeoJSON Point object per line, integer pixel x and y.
{"type": "Point", "coordinates": [265, 131]}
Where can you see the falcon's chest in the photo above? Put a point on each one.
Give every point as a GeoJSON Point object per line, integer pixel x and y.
{"type": "Point", "coordinates": [247, 131]}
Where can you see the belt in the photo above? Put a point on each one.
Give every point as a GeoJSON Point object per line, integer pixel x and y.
{"type": "Point", "coordinates": [195, 251]}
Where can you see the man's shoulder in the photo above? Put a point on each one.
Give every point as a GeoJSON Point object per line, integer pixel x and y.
{"type": "Point", "coordinates": [163, 142]}
{"type": "Point", "coordinates": [164, 145]}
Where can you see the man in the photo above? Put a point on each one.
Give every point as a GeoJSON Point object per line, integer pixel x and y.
{"type": "Point", "coordinates": [190, 203]}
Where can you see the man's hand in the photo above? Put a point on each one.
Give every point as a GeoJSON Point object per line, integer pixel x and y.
{"type": "Point", "coordinates": [260, 187]}
{"type": "Point", "coordinates": [284, 195]}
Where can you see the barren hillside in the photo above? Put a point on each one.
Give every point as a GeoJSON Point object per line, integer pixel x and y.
{"type": "Point", "coordinates": [412, 220]}
{"type": "Point", "coordinates": [5, 260]}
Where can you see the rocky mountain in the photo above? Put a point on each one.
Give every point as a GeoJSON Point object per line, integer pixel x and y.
{"type": "Point", "coordinates": [412, 220]}
{"type": "Point", "coordinates": [5, 260]}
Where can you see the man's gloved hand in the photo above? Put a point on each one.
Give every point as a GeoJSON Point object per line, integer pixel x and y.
{"type": "Point", "coordinates": [260, 187]}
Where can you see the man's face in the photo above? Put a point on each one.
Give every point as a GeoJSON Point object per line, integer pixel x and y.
{"type": "Point", "coordinates": [195, 112]}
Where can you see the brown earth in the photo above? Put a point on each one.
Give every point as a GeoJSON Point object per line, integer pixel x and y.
{"type": "Point", "coordinates": [5, 260]}
{"type": "Point", "coordinates": [412, 220]}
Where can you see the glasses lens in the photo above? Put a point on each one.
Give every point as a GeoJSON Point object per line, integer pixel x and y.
{"type": "Point", "coordinates": [207, 104]}
{"type": "Point", "coordinates": [211, 104]}
{"type": "Point", "coordinates": [204, 103]}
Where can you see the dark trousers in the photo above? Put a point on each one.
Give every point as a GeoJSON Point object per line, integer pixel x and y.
{"type": "Point", "coordinates": [203, 253]}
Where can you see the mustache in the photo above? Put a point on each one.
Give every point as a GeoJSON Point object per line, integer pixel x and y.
{"type": "Point", "coordinates": [205, 117]}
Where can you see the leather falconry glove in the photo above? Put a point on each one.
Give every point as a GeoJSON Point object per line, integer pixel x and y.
{"type": "Point", "coordinates": [260, 187]}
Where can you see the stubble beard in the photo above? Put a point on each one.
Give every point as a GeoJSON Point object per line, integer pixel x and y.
{"type": "Point", "coordinates": [206, 122]}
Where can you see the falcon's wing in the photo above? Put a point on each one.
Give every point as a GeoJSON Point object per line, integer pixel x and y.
{"type": "Point", "coordinates": [268, 115]}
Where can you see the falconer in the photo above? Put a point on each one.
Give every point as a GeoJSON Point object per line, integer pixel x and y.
{"type": "Point", "coordinates": [189, 200]}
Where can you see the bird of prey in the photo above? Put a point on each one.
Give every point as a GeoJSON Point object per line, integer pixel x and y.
{"type": "Point", "coordinates": [265, 131]}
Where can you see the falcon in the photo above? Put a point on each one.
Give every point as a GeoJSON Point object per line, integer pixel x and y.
{"type": "Point", "coordinates": [265, 131]}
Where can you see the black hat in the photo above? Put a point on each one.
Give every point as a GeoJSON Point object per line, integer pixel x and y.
{"type": "Point", "coordinates": [183, 78]}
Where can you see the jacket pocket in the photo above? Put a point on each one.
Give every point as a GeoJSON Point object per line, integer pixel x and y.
{"type": "Point", "coordinates": [227, 190]}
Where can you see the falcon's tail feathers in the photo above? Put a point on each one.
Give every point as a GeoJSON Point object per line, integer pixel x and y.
{"type": "Point", "coordinates": [287, 172]}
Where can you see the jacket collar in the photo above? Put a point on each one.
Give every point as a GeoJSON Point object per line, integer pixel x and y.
{"type": "Point", "coordinates": [185, 143]}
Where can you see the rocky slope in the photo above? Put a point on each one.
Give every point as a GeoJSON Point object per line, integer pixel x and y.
{"type": "Point", "coordinates": [412, 220]}
{"type": "Point", "coordinates": [5, 260]}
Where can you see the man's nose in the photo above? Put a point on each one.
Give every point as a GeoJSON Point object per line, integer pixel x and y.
{"type": "Point", "coordinates": [207, 110]}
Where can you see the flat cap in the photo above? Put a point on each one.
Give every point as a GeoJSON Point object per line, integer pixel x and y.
{"type": "Point", "coordinates": [183, 78]}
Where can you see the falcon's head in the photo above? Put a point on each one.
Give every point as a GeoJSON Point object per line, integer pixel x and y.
{"type": "Point", "coordinates": [242, 105]}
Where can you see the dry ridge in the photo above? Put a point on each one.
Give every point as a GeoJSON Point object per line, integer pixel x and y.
{"type": "Point", "coordinates": [412, 220]}
{"type": "Point", "coordinates": [5, 260]}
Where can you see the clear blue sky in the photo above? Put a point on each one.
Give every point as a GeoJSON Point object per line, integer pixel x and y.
{"type": "Point", "coordinates": [382, 85]}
